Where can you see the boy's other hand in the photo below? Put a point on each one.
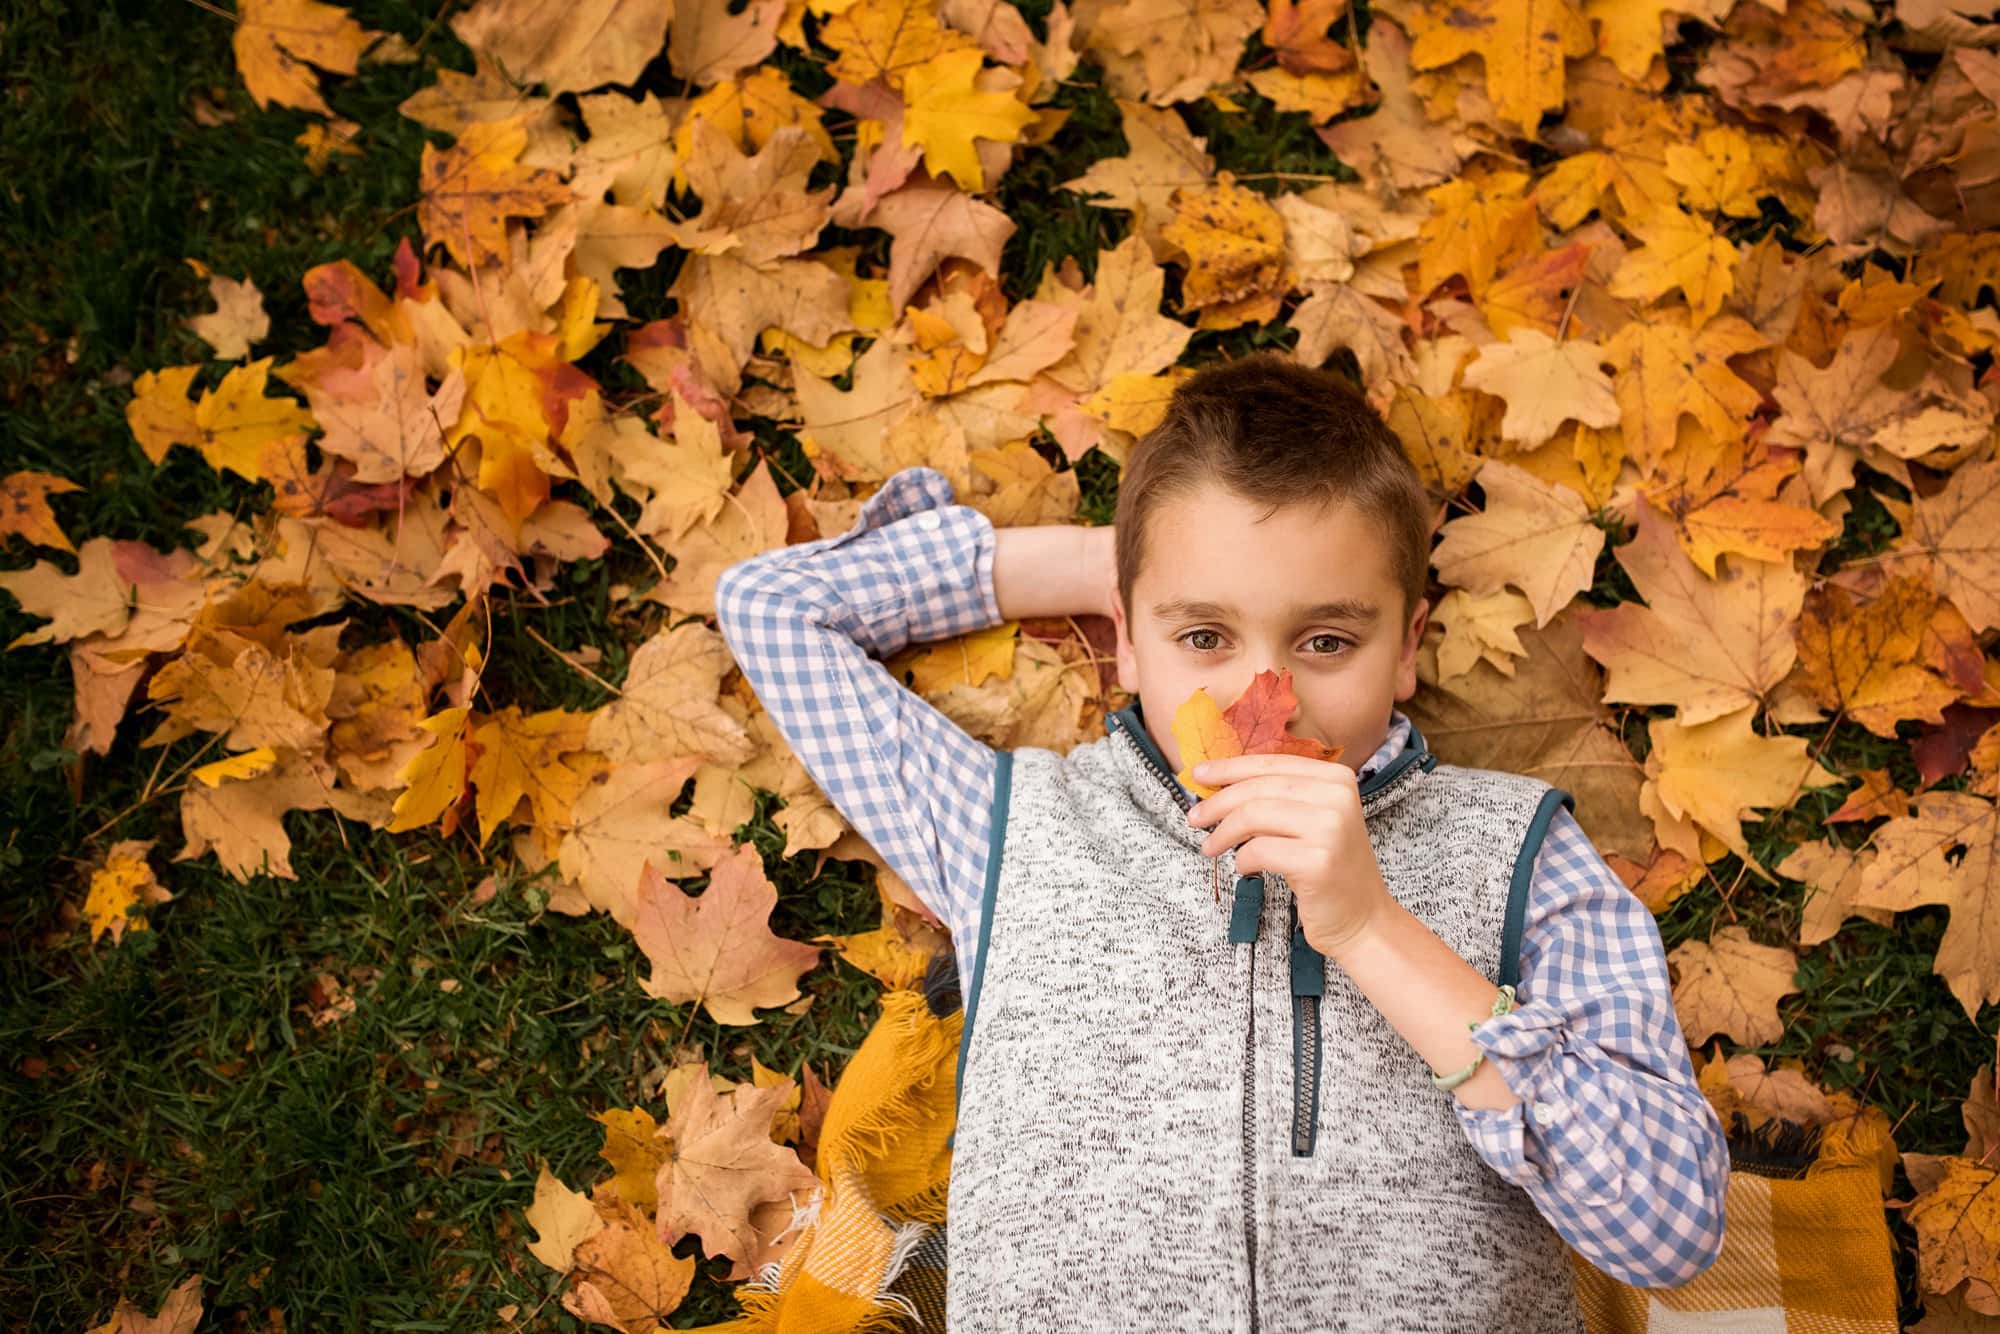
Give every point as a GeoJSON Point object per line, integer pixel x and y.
{"type": "Point", "coordinates": [1299, 818]}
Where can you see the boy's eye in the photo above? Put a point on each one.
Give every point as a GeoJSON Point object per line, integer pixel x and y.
{"type": "Point", "coordinates": [1188, 639]}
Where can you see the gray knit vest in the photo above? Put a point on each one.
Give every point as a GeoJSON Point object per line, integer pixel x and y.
{"type": "Point", "coordinates": [1174, 1114]}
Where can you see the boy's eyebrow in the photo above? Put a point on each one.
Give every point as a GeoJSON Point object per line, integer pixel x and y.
{"type": "Point", "coordinates": [1359, 610]}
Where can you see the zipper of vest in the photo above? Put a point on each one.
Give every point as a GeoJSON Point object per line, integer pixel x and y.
{"type": "Point", "coordinates": [1180, 797]}
{"type": "Point", "coordinates": [1308, 985]}
{"type": "Point", "coordinates": [1249, 1142]}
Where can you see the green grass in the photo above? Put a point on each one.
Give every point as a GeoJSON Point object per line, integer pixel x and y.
{"type": "Point", "coordinates": [172, 1107]}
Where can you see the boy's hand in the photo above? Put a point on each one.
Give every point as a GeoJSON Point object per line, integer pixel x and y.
{"type": "Point", "coordinates": [1300, 818]}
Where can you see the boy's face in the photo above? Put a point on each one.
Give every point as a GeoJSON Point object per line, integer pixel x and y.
{"type": "Point", "coordinates": [1265, 577]}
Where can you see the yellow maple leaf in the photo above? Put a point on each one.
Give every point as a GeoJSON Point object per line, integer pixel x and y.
{"type": "Point", "coordinates": [124, 883]}
{"type": "Point", "coordinates": [1544, 384]}
{"type": "Point", "coordinates": [24, 508]}
{"type": "Point", "coordinates": [278, 41]}
{"type": "Point", "coordinates": [1680, 250]}
{"type": "Point", "coordinates": [1522, 42]}
{"type": "Point", "coordinates": [1957, 1222]}
{"type": "Point", "coordinates": [435, 779]}
{"type": "Point", "coordinates": [528, 755]}
{"type": "Point", "coordinates": [1714, 772]}
{"type": "Point", "coordinates": [473, 187]}
{"type": "Point", "coordinates": [1234, 240]}
{"type": "Point", "coordinates": [230, 424]}
{"type": "Point", "coordinates": [1730, 984]}
{"type": "Point", "coordinates": [947, 112]}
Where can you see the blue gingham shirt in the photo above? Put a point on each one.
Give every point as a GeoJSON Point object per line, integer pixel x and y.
{"type": "Point", "coordinates": [1613, 1139]}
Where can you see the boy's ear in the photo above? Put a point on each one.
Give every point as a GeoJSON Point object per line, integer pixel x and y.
{"type": "Point", "coordinates": [1406, 665]}
{"type": "Point", "coordinates": [1128, 661]}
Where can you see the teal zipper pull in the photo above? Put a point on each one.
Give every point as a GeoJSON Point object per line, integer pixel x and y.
{"type": "Point", "coordinates": [1247, 907]}
{"type": "Point", "coordinates": [1308, 964]}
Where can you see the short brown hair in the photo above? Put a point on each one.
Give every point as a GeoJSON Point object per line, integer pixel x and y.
{"type": "Point", "coordinates": [1275, 431]}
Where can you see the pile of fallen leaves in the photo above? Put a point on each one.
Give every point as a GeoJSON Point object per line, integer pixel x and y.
{"type": "Point", "coordinates": [1537, 275]}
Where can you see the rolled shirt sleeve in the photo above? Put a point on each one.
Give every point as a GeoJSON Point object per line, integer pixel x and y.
{"type": "Point", "coordinates": [1613, 1139]}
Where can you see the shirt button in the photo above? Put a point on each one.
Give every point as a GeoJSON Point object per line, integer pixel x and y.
{"type": "Point", "coordinates": [929, 519]}
{"type": "Point", "coordinates": [1547, 1111]}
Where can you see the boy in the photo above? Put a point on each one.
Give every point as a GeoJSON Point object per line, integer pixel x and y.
{"type": "Point", "coordinates": [1189, 1115]}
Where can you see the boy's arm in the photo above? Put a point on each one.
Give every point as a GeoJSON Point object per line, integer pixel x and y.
{"type": "Point", "coordinates": [806, 623]}
{"type": "Point", "coordinates": [1614, 1139]}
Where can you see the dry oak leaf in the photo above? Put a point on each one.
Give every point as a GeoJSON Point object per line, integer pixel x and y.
{"type": "Point", "coordinates": [1532, 534]}
{"type": "Point", "coordinates": [1707, 646]}
{"type": "Point", "coordinates": [1730, 984]}
{"type": "Point", "coordinates": [1234, 242]}
{"type": "Point", "coordinates": [1544, 384]}
{"type": "Point", "coordinates": [1523, 44]}
{"type": "Point", "coordinates": [1253, 725]}
{"type": "Point", "coordinates": [668, 706]}
{"type": "Point", "coordinates": [947, 112]}
{"type": "Point", "coordinates": [1957, 1221]}
{"type": "Point", "coordinates": [470, 190]}
{"type": "Point", "coordinates": [718, 949]}
{"type": "Point", "coordinates": [721, 1163]}
{"type": "Point", "coordinates": [278, 41]}
{"type": "Point", "coordinates": [238, 319]}
{"type": "Point", "coordinates": [1714, 772]}
{"type": "Point", "coordinates": [121, 890]}
{"type": "Point", "coordinates": [25, 512]}
{"type": "Point", "coordinates": [1865, 656]}
{"type": "Point", "coordinates": [1680, 251]}
{"type": "Point", "coordinates": [567, 47]}
{"type": "Point", "coordinates": [230, 424]}
{"type": "Point", "coordinates": [1947, 853]}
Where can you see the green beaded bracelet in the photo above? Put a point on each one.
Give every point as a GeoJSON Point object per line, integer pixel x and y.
{"type": "Point", "coordinates": [1501, 1005]}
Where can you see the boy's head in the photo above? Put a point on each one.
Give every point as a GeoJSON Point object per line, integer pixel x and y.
{"type": "Point", "coordinates": [1269, 489]}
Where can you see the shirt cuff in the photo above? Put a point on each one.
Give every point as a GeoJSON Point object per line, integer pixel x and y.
{"type": "Point", "coordinates": [1550, 1135]}
{"type": "Point", "coordinates": [935, 556]}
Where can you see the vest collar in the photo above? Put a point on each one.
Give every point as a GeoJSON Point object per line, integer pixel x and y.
{"type": "Point", "coordinates": [1155, 785]}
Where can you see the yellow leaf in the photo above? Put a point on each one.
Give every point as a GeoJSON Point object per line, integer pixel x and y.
{"type": "Point", "coordinates": [473, 187]}
{"type": "Point", "coordinates": [435, 779]}
{"type": "Point", "coordinates": [1522, 42]}
{"type": "Point", "coordinates": [278, 41]}
{"type": "Point", "coordinates": [247, 765]}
